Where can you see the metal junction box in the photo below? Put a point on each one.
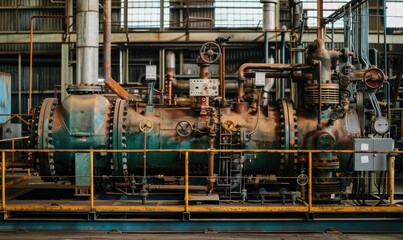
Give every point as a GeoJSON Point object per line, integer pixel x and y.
{"type": "Point", "coordinates": [204, 87]}
{"type": "Point", "coordinates": [11, 130]}
{"type": "Point", "coordinates": [372, 161]}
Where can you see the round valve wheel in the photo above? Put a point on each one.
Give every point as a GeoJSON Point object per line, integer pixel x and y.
{"type": "Point", "coordinates": [184, 128]}
{"type": "Point", "coordinates": [374, 78]}
{"type": "Point", "coordinates": [302, 179]}
{"type": "Point", "coordinates": [146, 125]}
{"type": "Point", "coordinates": [210, 52]}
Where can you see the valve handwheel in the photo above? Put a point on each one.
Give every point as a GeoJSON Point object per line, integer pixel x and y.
{"type": "Point", "coordinates": [146, 125]}
{"type": "Point", "coordinates": [184, 128]}
{"type": "Point", "coordinates": [374, 78]}
{"type": "Point", "coordinates": [302, 179]}
{"type": "Point", "coordinates": [210, 52]}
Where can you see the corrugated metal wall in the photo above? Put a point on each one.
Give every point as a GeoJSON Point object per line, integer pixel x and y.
{"type": "Point", "coordinates": [45, 77]}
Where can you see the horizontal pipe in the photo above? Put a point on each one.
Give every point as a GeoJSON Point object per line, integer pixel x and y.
{"type": "Point", "coordinates": [271, 66]}
{"type": "Point", "coordinates": [175, 187]}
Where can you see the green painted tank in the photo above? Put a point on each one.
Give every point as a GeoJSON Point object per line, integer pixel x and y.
{"type": "Point", "coordinates": [91, 121]}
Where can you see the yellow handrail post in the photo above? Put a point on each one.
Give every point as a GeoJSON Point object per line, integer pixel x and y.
{"type": "Point", "coordinates": [92, 180]}
{"type": "Point", "coordinates": [391, 180]}
{"type": "Point", "coordinates": [3, 181]}
{"type": "Point", "coordinates": [310, 181]}
{"type": "Point", "coordinates": [186, 181]}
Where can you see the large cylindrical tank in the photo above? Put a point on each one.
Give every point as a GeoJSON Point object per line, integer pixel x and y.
{"type": "Point", "coordinates": [91, 121]}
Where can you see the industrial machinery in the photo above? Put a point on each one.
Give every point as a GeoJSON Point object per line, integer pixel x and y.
{"type": "Point", "coordinates": [332, 111]}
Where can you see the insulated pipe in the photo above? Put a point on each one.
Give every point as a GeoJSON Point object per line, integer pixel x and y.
{"type": "Point", "coordinates": [87, 42]}
{"type": "Point", "coordinates": [269, 82]}
{"type": "Point", "coordinates": [170, 76]}
{"type": "Point", "coordinates": [269, 14]}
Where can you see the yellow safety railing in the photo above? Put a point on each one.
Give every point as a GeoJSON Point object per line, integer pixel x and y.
{"type": "Point", "coordinates": [186, 208]}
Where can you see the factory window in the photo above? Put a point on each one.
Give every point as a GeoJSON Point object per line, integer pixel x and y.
{"type": "Point", "coordinates": [394, 14]}
{"type": "Point", "coordinates": [329, 6]}
{"type": "Point", "coordinates": [144, 14]}
{"type": "Point", "coordinates": [238, 13]}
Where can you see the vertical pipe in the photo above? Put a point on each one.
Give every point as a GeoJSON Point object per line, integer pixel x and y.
{"type": "Point", "coordinates": [332, 35]}
{"type": "Point", "coordinates": [310, 181]}
{"type": "Point", "coordinates": [3, 181]}
{"type": "Point", "coordinates": [266, 47]}
{"type": "Point", "coordinates": [320, 30]}
{"type": "Point", "coordinates": [186, 181]}
{"type": "Point", "coordinates": [19, 83]}
{"type": "Point", "coordinates": [385, 46]}
{"type": "Point", "coordinates": [269, 14]}
{"type": "Point", "coordinates": [145, 157]}
{"type": "Point", "coordinates": [391, 180]}
{"type": "Point", "coordinates": [282, 60]}
{"type": "Point", "coordinates": [170, 69]}
{"type": "Point", "coordinates": [87, 42]}
{"type": "Point", "coordinates": [222, 74]}
{"type": "Point", "coordinates": [107, 37]}
{"type": "Point", "coordinates": [91, 180]}
{"type": "Point", "coordinates": [31, 53]}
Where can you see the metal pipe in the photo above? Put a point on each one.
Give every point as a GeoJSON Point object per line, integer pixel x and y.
{"type": "Point", "coordinates": [222, 74]}
{"type": "Point", "coordinates": [116, 88]}
{"type": "Point", "coordinates": [269, 83]}
{"type": "Point", "coordinates": [332, 42]}
{"type": "Point", "coordinates": [170, 75]}
{"type": "Point", "coordinates": [112, 84]}
{"type": "Point", "coordinates": [269, 14]}
{"type": "Point", "coordinates": [107, 37]}
{"type": "Point", "coordinates": [320, 32]}
{"type": "Point", "coordinates": [385, 46]}
{"type": "Point", "coordinates": [19, 84]}
{"type": "Point", "coordinates": [266, 47]}
{"type": "Point", "coordinates": [87, 19]}
{"type": "Point", "coordinates": [151, 187]}
{"type": "Point", "coordinates": [282, 60]}
{"type": "Point", "coordinates": [271, 66]}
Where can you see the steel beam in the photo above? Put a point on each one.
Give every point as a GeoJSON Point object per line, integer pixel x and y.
{"type": "Point", "coordinates": [175, 37]}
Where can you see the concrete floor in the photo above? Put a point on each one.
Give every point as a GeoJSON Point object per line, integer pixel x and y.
{"type": "Point", "coordinates": [41, 235]}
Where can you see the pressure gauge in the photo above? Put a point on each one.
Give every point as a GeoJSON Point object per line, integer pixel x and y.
{"type": "Point", "coordinates": [381, 125]}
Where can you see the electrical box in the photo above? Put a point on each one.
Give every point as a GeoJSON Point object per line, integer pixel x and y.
{"type": "Point", "coordinates": [82, 180]}
{"type": "Point", "coordinates": [260, 79]}
{"type": "Point", "coordinates": [151, 72]}
{"type": "Point", "coordinates": [372, 161]}
{"type": "Point", "coordinates": [11, 130]}
{"type": "Point", "coordinates": [204, 87]}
